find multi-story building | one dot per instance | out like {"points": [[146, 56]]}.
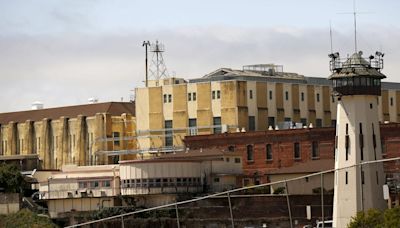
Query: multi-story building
{"points": [[228, 100], [78, 135]]}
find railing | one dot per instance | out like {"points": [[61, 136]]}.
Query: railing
{"points": [[295, 201]]}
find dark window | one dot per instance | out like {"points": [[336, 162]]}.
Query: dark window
{"points": [[271, 121], [217, 125], [303, 121], [165, 98], [189, 96], [250, 153], [296, 149], [302, 96], [218, 94], [169, 140], [213, 95], [286, 95], [314, 150], [370, 105], [251, 94], [333, 99], [231, 148], [192, 126], [270, 95], [252, 123], [116, 138], [391, 101], [361, 142], [317, 97], [194, 96], [237, 160], [318, 122], [216, 179], [287, 119], [346, 177], [362, 177], [169, 98], [269, 151]]}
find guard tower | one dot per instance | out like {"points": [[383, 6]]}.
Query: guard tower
{"points": [[356, 86]]}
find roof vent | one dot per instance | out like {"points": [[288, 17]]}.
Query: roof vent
{"points": [[37, 105], [93, 100]]}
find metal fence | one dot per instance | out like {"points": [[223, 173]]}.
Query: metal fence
{"points": [[288, 200]]}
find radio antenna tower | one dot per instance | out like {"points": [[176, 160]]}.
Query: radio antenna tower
{"points": [[158, 69]]}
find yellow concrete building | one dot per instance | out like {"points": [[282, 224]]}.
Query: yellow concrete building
{"points": [[226, 100], [81, 135]]}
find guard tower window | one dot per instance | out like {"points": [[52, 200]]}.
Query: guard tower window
{"points": [[165, 98], [286, 95], [189, 96], [169, 98], [302, 96], [218, 94], [251, 94], [213, 95], [317, 97], [270, 95], [391, 101], [194, 96]]}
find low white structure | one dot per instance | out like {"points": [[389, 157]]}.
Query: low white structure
{"points": [[140, 177], [80, 188]]}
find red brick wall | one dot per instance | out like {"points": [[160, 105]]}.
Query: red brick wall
{"points": [[283, 149]]}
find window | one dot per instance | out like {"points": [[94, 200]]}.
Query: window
{"points": [[169, 141], [287, 119], [227, 159], [251, 94], [218, 94], [169, 98], [346, 177], [362, 177], [231, 148], [116, 139], [286, 95], [189, 96], [296, 149], [192, 126], [314, 150], [302, 96], [216, 179], [269, 152], [361, 142], [303, 121], [271, 121], [318, 122], [391, 101], [106, 183], [317, 97], [194, 96], [217, 125], [270, 95], [237, 160], [82, 184], [213, 95], [252, 123], [370, 105], [250, 153], [165, 98]]}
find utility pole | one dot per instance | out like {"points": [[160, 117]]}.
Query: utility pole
{"points": [[146, 44]]}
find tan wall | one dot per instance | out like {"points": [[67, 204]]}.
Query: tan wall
{"points": [[262, 106], [204, 113], [229, 91]]}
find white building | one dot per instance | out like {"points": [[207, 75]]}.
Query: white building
{"points": [[357, 85]]}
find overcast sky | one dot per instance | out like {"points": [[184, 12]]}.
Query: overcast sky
{"points": [[66, 51]]}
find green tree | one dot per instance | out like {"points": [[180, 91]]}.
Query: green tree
{"points": [[376, 219], [10, 178], [26, 219]]}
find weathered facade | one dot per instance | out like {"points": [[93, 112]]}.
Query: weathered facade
{"points": [[68, 135], [228, 100], [264, 152]]}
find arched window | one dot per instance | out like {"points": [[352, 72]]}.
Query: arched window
{"points": [[268, 151], [250, 153]]}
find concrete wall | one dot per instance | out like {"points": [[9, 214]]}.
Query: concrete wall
{"points": [[9, 203]]}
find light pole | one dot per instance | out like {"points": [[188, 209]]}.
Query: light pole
{"points": [[146, 44]]}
